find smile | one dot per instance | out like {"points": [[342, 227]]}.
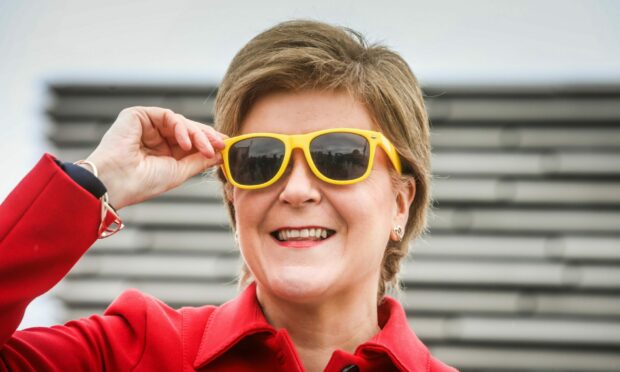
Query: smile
{"points": [[301, 234]]}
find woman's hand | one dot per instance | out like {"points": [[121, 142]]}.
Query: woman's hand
{"points": [[149, 150]]}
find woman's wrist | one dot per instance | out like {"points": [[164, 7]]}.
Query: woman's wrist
{"points": [[83, 175], [105, 174], [111, 222]]}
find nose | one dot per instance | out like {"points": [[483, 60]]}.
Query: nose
{"points": [[300, 184]]}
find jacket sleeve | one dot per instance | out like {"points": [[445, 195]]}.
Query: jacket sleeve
{"points": [[46, 224]]}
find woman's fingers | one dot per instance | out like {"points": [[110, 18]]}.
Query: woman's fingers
{"points": [[204, 138], [216, 138], [202, 142], [164, 125], [181, 134], [195, 163]]}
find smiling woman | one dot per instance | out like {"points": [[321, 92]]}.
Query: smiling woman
{"points": [[359, 216], [323, 143], [373, 82]]}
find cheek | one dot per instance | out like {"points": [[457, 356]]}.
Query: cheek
{"points": [[368, 211], [250, 210], [373, 199]]}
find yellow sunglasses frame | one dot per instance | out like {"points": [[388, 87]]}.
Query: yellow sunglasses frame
{"points": [[302, 141]]}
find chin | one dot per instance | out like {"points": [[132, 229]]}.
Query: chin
{"points": [[297, 285]]}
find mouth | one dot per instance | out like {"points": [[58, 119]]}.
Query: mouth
{"points": [[311, 233]]}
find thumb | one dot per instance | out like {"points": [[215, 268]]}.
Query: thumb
{"points": [[195, 163]]}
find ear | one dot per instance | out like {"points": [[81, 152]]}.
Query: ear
{"points": [[404, 197]]}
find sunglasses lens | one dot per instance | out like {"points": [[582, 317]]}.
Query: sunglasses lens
{"points": [[340, 156], [255, 160]]}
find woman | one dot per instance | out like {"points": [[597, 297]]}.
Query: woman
{"points": [[324, 148]]}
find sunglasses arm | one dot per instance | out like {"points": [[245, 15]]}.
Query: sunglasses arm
{"points": [[391, 152]]}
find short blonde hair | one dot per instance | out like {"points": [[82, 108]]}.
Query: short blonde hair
{"points": [[307, 55]]}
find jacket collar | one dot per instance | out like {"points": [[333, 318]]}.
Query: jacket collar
{"points": [[397, 339], [243, 316]]}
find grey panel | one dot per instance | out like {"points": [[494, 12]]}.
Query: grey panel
{"points": [[493, 358], [526, 164], [490, 190], [515, 246], [520, 270], [532, 109], [526, 220], [514, 137], [92, 105]]}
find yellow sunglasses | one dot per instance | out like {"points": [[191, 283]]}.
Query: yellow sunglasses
{"points": [[340, 156]]}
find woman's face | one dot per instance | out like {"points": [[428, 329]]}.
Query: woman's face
{"points": [[361, 215]]}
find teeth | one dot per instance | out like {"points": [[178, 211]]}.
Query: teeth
{"points": [[312, 234]]}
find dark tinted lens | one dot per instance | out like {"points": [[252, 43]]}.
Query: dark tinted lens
{"points": [[340, 156], [255, 160]]}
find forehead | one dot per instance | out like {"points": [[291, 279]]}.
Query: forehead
{"points": [[306, 111]]}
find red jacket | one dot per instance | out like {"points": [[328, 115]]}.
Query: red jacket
{"points": [[46, 225]]}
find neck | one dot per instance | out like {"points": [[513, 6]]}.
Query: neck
{"points": [[317, 329]]}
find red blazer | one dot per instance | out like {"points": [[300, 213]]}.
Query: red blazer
{"points": [[46, 225]]}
